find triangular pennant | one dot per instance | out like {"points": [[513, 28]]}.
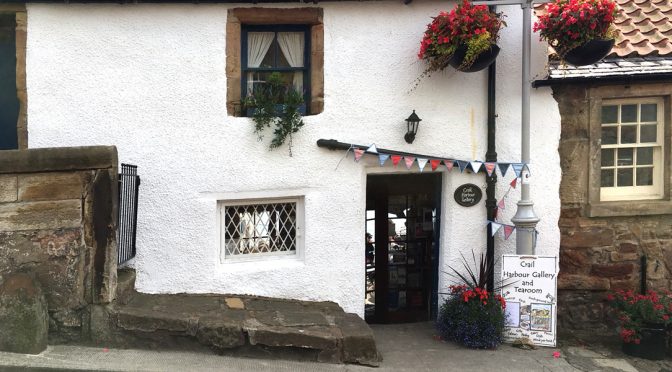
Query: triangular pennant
{"points": [[517, 168], [508, 229], [435, 163], [409, 161], [494, 227], [449, 164], [475, 166], [396, 159], [501, 204], [461, 164], [503, 167], [421, 163], [527, 166], [382, 158], [513, 183], [490, 168], [358, 153], [372, 149]]}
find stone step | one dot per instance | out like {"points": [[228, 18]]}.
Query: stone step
{"points": [[229, 323]]}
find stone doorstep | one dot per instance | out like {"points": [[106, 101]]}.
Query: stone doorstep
{"points": [[229, 322]]}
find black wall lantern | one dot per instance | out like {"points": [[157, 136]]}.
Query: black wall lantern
{"points": [[412, 124]]}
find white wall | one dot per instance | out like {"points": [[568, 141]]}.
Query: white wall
{"points": [[150, 79]]}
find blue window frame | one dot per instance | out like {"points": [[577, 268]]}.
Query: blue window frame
{"points": [[276, 48]]}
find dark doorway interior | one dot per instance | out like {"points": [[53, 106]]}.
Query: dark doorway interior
{"points": [[402, 220], [9, 103]]}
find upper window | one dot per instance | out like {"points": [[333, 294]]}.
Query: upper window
{"points": [[276, 49], [266, 228], [631, 165]]}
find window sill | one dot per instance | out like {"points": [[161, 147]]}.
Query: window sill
{"points": [[629, 208]]}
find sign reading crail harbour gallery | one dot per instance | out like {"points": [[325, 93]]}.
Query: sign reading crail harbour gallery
{"points": [[530, 298], [468, 195]]}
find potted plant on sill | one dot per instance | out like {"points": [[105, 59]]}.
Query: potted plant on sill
{"points": [[471, 315], [644, 321], [465, 38], [275, 103], [580, 31]]}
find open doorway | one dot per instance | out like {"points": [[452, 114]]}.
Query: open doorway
{"points": [[402, 231]]}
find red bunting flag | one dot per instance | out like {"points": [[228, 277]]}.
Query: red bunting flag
{"points": [[358, 153], [501, 205], [409, 161], [490, 167], [449, 164], [514, 183], [396, 159], [508, 229], [435, 163]]}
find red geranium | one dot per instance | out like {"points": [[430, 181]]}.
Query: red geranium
{"points": [[567, 24], [472, 25], [636, 310]]}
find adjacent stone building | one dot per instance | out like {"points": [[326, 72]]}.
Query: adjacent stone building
{"points": [[615, 159]]}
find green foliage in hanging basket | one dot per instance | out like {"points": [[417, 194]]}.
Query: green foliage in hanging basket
{"points": [[276, 104], [567, 24], [472, 25]]}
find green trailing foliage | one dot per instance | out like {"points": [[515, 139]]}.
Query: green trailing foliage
{"points": [[276, 104]]}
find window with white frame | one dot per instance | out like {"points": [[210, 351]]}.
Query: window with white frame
{"points": [[631, 165], [260, 228]]}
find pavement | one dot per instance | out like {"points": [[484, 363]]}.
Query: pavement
{"points": [[405, 347]]}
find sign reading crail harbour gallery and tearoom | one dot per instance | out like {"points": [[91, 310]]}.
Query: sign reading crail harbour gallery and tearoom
{"points": [[531, 298]]}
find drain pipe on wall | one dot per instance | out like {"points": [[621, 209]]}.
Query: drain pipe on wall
{"points": [[491, 156]]}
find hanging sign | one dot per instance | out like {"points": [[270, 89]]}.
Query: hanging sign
{"points": [[530, 298], [468, 195]]}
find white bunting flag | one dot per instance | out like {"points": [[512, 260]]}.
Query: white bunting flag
{"points": [[421, 163], [494, 227], [372, 149], [476, 166]]}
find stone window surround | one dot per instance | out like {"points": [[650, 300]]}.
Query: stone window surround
{"points": [[271, 16], [19, 10], [596, 95]]}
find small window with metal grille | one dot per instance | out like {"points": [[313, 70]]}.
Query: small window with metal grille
{"points": [[260, 229]]}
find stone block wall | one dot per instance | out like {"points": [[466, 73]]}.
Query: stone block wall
{"points": [[599, 254], [58, 213]]}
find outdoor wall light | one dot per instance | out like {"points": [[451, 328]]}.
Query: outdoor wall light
{"points": [[412, 124]]}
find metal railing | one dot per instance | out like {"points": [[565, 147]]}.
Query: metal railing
{"points": [[129, 186]]}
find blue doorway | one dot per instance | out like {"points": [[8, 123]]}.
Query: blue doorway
{"points": [[9, 102]]}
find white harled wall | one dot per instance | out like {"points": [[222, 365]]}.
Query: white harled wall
{"points": [[150, 79]]}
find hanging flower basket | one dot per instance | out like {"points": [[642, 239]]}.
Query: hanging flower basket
{"points": [[483, 60], [591, 52], [465, 38], [580, 31]]}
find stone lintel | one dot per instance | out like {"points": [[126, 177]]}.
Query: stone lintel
{"points": [[58, 159]]}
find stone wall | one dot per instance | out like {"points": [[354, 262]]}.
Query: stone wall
{"points": [[600, 253], [58, 210]]}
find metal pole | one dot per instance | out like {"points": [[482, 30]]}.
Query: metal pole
{"points": [[525, 218]]}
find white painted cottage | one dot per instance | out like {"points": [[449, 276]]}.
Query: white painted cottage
{"points": [[220, 213]]}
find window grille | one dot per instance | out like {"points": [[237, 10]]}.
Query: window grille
{"points": [[260, 229], [631, 149]]}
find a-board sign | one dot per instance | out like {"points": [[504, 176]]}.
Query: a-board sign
{"points": [[468, 195], [530, 298]]}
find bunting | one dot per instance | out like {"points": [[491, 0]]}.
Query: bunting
{"points": [[475, 165], [495, 227]]}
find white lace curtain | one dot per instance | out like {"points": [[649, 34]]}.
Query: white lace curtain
{"points": [[292, 45], [258, 44]]}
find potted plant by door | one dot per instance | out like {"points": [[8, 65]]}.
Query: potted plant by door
{"points": [[465, 38], [580, 31], [471, 315], [275, 103], [644, 321]]}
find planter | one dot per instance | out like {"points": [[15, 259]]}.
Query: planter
{"points": [[590, 52], [483, 60], [653, 344], [249, 112]]}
